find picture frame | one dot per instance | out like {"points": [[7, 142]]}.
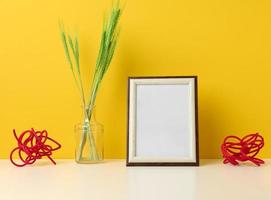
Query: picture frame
{"points": [[162, 125]]}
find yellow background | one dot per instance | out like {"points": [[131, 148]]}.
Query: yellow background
{"points": [[227, 43]]}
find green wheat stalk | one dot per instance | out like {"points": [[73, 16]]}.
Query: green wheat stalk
{"points": [[109, 38], [108, 43]]}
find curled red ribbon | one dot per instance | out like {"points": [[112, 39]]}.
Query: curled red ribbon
{"points": [[32, 146], [235, 149]]}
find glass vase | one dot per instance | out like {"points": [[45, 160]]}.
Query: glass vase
{"points": [[89, 139]]}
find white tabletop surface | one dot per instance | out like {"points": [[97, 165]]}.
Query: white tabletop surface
{"points": [[112, 180]]}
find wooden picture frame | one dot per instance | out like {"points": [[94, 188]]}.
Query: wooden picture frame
{"points": [[162, 125]]}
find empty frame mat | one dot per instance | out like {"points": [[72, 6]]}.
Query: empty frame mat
{"points": [[162, 124]]}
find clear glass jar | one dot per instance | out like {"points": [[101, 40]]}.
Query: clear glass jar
{"points": [[89, 139]]}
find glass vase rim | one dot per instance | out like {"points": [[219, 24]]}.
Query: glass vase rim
{"points": [[82, 126], [87, 107]]}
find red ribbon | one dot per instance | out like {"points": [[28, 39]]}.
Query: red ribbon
{"points": [[32, 146], [235, 149]]}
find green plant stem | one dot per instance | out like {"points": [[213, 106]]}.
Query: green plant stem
{"points": [[83, 137], [87, 134], [93, 154]]}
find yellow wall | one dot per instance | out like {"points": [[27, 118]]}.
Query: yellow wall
{"points": [[226, 43]]}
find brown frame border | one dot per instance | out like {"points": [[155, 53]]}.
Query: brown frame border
{"points": [[128, 164]]}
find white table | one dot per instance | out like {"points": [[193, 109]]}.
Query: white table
{"points": [[112, 180]]}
